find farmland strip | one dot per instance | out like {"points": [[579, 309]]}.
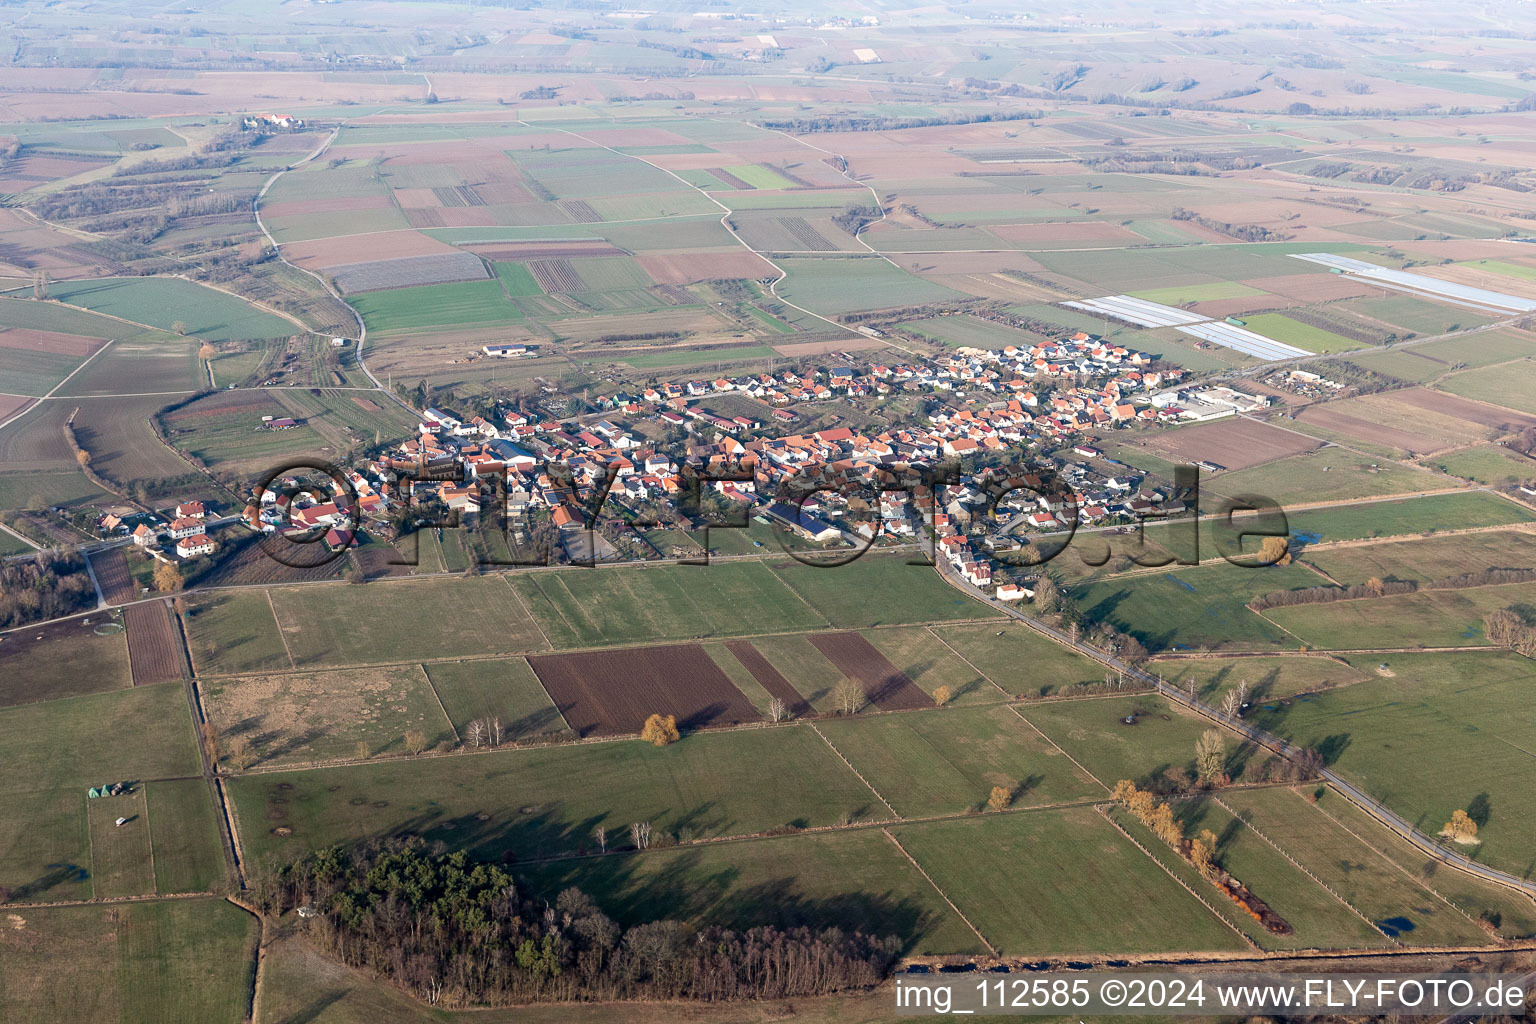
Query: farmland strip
{"points": [[153, 648], [770, 678], [886, 686], [111, 569]]}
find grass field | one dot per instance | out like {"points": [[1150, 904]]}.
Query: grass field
{"points": [[1421, 363], [163, 302], [1094, 732], [1198, 293], [709, 784], [1202, 606], [1399, 905], [1374, 733], [816, 881], [838, 286], [1265, 677], [70, 659], [1020, 661], [1329, 474], [293, 718], [1293, 332], [591, 607], [122, 861], [930, 664], [147, 963], [877, 590], [435, 305], [1428, 558], [234, 631], [189, 856], [1486, 464], [1417, 315], [1512, 385], [402, 621], [947, 762], [1429, 618], [503, 688], [143, 366], [34, 373], [1061, 881]]}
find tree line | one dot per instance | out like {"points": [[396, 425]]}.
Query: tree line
{"points": [[1376, 587], [48, 585], [458, 932]]}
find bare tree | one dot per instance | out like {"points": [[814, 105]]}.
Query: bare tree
{"points": [[848, 696], [474, 733], [415, 741], [1234, 699], [495, 730], [241, 754], [1210, 757], [640, 834], [777, 710], [601, 835]]}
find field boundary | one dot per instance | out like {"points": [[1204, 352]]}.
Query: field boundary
{"points": [[942, 894], [1247, 941], [895, 815], [1306, 871], [1058, 748], [278, 623], [933, 633], [506, 578], [432, 687]]}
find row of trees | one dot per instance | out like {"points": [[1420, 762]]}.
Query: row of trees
{"points": [[48, 585], [1508, 628], [457, 932], [1377, 587]]}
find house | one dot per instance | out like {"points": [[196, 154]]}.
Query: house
{"points": [[197, 544], [182, 528], [191, 510], [803, 522], [143, 536], [337, 539], [1013, 592]]}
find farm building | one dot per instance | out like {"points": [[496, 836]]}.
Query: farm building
{"points": [[279, 423], [803, 523], [507, 351]]}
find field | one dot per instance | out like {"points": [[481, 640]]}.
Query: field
{"points": [[1508, 384], [163, 302], [505, 689], [919, 654], [61, 659], [802, 881], [112, 576], [1233, 444], [1293, 332], [593, 607], [435, 305], [837, 286], [182, 960], [299, 717], [405, 620], [1428, 618], [877, 590], [1399, 905], [1485, 465], [769, 678], [129, 367], [1331, 474], [1061, 881], [884, 685], [1427, 558], [520, 804], [154, 643], [1017, 659], [1196, 607], [1266, 678], [1467, 701], [188, 854], [234, 632], [607, 693], [948, 762], [1096, 734]]}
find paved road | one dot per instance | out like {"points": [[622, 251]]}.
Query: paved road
{"points": [[1371, 806]]}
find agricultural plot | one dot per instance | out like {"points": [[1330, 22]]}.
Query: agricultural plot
{"points": [[130, 367], [1428, 618], [1487, 465], [1399, 905], [1461, 511], [1264, 679], [1471, 702], [188, 853], [948, 762], [1017, 659], [1061, 882], [164, 302], [1114, 738], [1195, 607], [32, 368], [112, 576], [1330, 474], [117, 433], [1233, 444], [62, 659], [1510, 385], [407, 271], [295, 718], [178, 960], [1288, 331], [436, 305], [609, 693], [1414, 315], [504, 689], [788, 882], [401, 621], [588, 608], [521, 804], [234, 631], [122, 858], [923, 658], [1421, 363], [45, 849], [884, 685], [876, 590], [154, 643], [843, 285], [1427, 558]]}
